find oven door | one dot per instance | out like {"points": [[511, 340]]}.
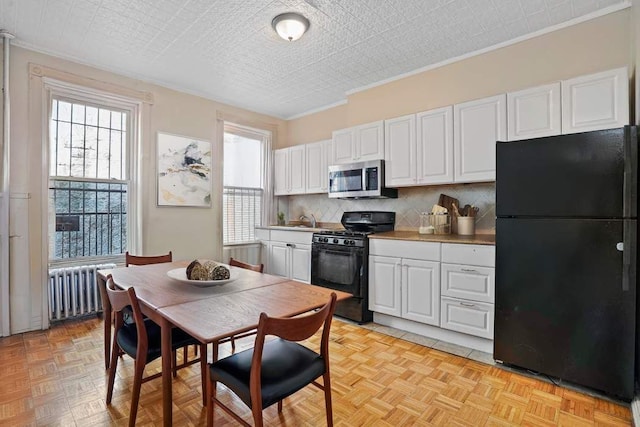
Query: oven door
{"points": [[338, 267]]}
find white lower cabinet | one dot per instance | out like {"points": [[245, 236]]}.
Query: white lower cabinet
{"points": [[452, 286], [290, 255], [468, 289], [405, 287]]}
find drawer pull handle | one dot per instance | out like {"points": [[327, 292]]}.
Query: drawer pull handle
{"points": [[291, 245], [469, 270], [466, 304]]}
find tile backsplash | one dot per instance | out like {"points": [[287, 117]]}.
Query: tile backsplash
{"points": [[410, 203]]}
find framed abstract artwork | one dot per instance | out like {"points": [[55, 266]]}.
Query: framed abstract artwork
{"points": [[184, 171]]}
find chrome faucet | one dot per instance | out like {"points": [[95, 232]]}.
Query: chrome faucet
{"points": [[312, 220]]}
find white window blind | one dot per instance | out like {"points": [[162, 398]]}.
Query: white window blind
{"points": [[243, 195]]}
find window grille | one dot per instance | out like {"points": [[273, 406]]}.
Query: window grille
{"points": [[88, 180], [242, 213]]}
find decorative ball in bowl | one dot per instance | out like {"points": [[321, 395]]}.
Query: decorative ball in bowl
{"points": [[202, 273]]}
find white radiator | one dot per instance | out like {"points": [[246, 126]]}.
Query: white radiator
{"points": [[73, 291]]}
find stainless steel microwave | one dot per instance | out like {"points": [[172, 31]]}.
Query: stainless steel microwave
{"points": [[359, 181]]}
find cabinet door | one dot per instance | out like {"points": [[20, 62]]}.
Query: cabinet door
{"points": [[434, 146], [264, 256], [343, 146], [534, 112], [318, 155], [369, 141], [281, 170], [301, 262], [316, 168], [468, 282], [421, 291], [297, 169], [478, 125], [279, 259], [597, 101], [384, 285], [400, 151]]}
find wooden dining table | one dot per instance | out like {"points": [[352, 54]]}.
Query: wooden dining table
{"points": [[209, 314]]}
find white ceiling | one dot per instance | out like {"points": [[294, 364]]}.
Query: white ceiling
{"points": [[226, 49]]}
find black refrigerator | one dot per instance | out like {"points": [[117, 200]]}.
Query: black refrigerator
{"points": [[566, 240]]}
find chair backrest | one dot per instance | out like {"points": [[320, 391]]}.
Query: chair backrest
{"points": [[119, 299], [234, 262], [144, 260], [291, 329]]}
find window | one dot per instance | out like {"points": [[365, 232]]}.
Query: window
{"points": [[244, 182], [88, 179]]}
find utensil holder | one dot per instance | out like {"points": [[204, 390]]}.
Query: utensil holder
{"points": [[466, 225]]}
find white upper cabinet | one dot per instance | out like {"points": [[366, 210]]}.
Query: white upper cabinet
{"points": [[419, 148], [359, 143], [280, 172], [343, 147], [478, 125], [400, 151], [289, 170], [434, 143], [534, 112], [597, 101], [317, 155]]}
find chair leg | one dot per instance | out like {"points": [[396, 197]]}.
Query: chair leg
{"points": [[185, 354], [211, 392], [112, 371], [326, 380], [135, 392], [215, 351], [257, 415], [279, 406], [174, 368], [233, 345], [203, 373]]}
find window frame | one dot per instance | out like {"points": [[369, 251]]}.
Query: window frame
{"points": [[69, 92], [265, 136]]}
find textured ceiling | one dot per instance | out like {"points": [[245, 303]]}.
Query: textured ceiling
{"points": [[226, 49]]}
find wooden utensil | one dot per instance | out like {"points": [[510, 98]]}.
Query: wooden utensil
{"points": [[448, 203]]}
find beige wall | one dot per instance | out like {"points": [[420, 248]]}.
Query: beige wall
{"points": [[596, 45], [188, 232]]}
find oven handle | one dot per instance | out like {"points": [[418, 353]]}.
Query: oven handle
{"points": [[339, 251]]}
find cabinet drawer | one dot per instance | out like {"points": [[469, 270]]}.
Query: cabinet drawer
{"points": [[473, 318], [427, 251], [484, 255], [262, 234], [468, 282], [302, 237]]}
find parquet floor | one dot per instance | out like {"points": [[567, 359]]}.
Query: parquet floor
{"points": [[57, 378]]}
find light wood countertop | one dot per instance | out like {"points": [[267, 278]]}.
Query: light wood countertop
{"points": [[477, 239]]}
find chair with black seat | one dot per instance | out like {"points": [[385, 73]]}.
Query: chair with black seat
{"points": [[271, 371], [141, 340]]}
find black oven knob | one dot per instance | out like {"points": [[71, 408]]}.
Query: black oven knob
{"points": [[348, 242], [335, 240]]}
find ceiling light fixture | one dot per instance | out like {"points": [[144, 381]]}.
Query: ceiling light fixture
{"points": [[290, 26]]}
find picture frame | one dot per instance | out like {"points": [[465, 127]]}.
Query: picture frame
{"points": [[183, 171]]}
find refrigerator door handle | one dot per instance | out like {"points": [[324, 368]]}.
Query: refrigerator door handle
{"points": [[628, 255], [630, 174]]}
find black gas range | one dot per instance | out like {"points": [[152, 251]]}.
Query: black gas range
{"points": [[340, 260]]}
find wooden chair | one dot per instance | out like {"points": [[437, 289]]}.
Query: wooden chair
{"points": [[234, 262], [271, 371], [141, 340], [254, 267], [145, 260]]}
